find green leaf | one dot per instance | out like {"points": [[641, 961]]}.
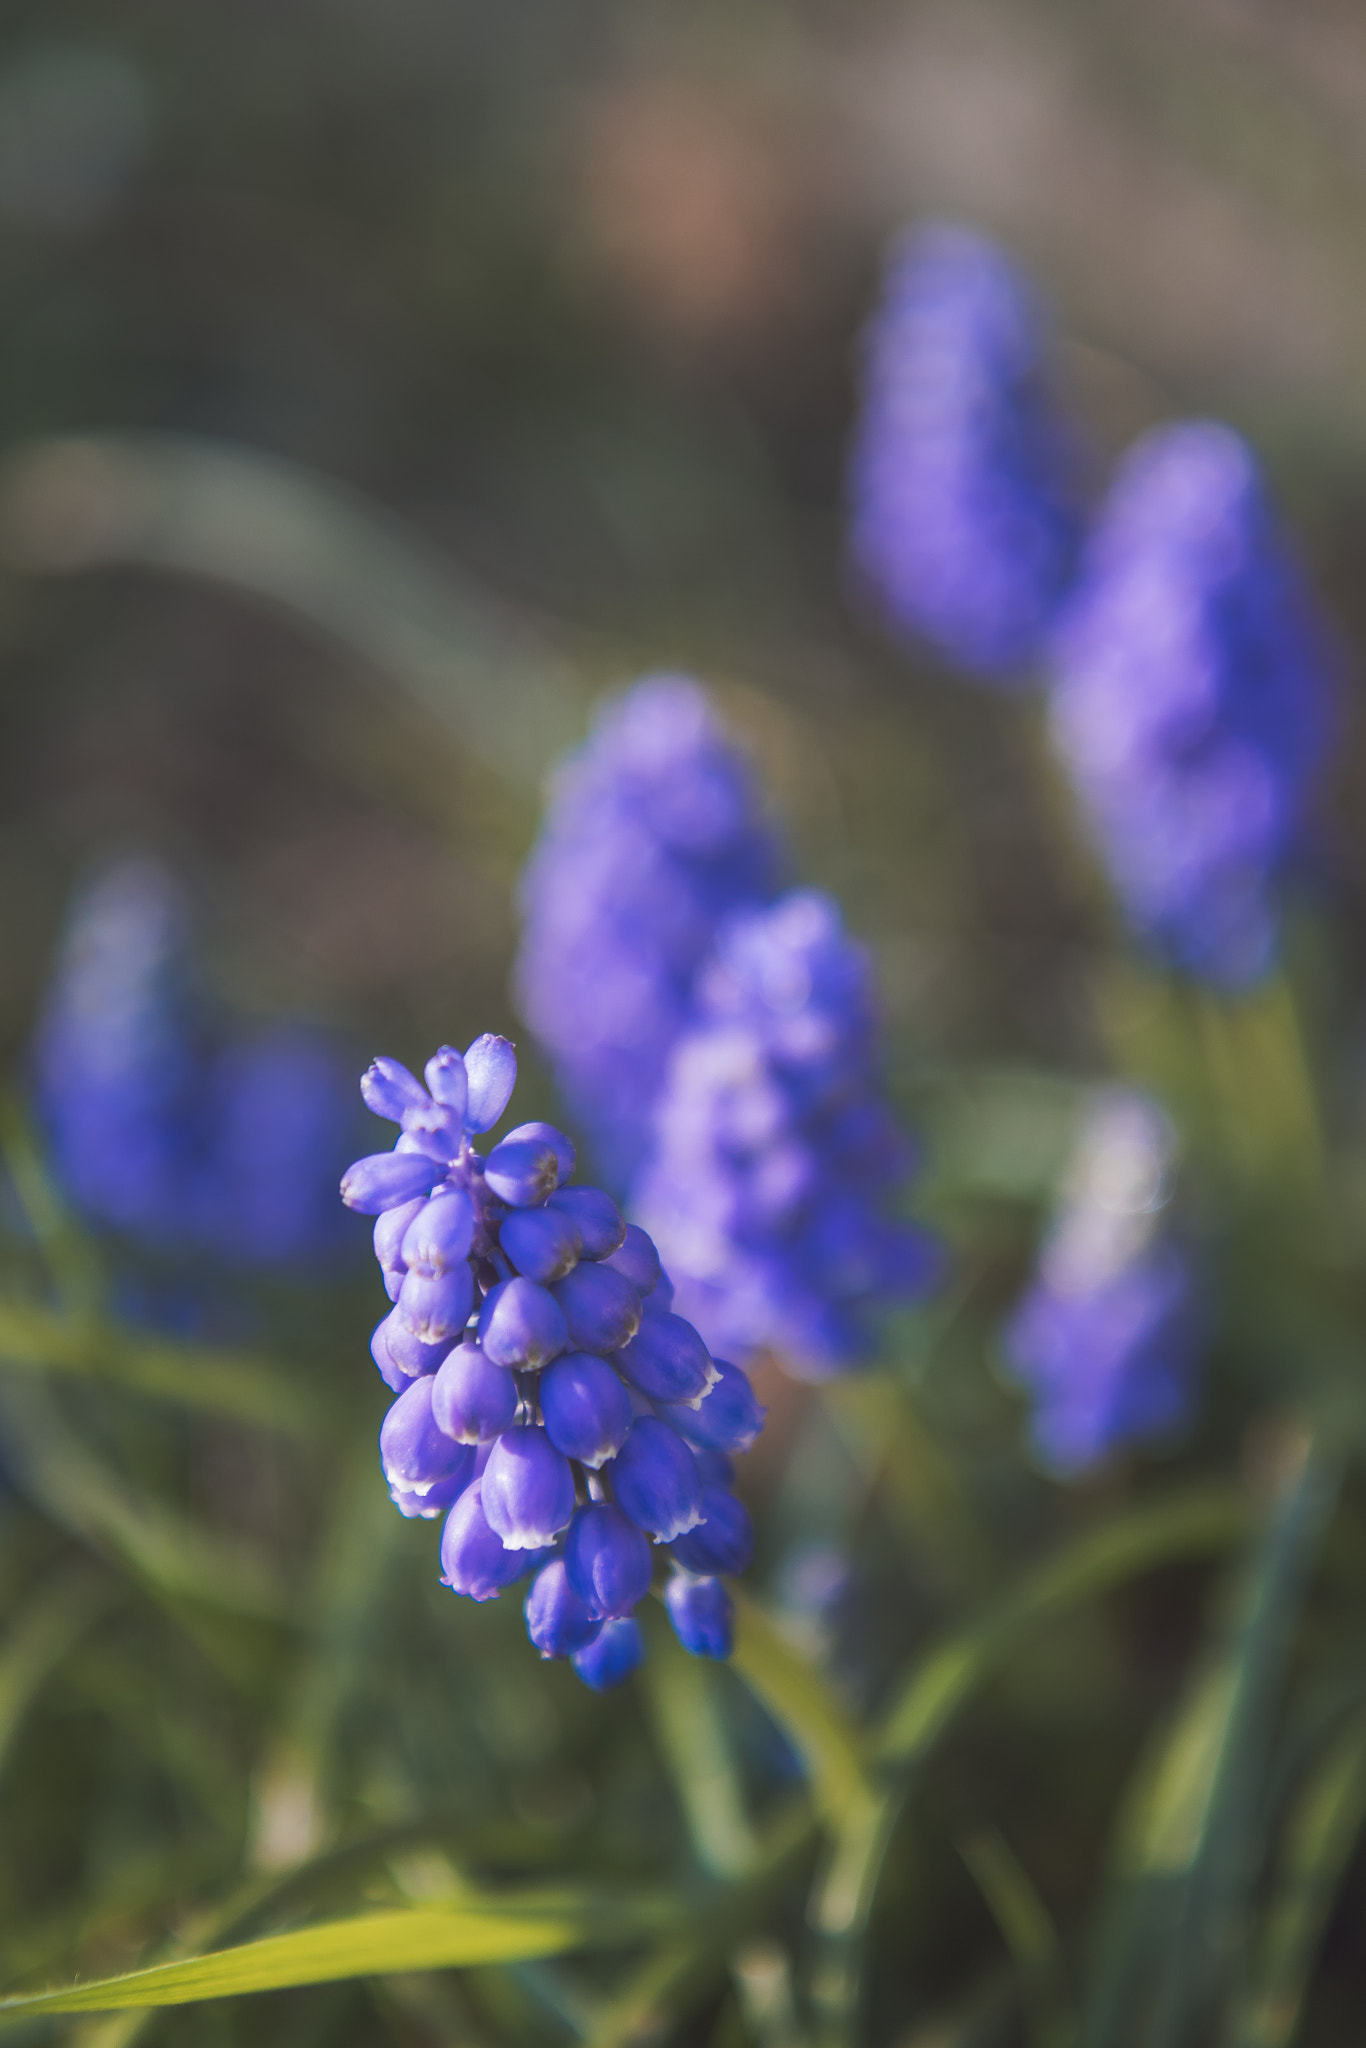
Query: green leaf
{"points": [[1324, 1828], [1205, 1519], [805, 1708], [1187, 1851], [35, 1340], [338, 565], [685, 1706], [465, 1933]]}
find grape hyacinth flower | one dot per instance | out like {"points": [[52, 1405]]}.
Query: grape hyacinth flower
{"points": [[116, 1065], [775, 1154], [963, 522], [549, 1403], [653, 834], [1191, 700], [228, 1149], [1106, 1339]]}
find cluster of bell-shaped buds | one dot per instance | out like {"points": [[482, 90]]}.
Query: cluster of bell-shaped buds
{"points": [[1191, 700], [775, 1153], [549, 1403], [963, 516], [181, 1137], [1107, 1338], [653, 833]]}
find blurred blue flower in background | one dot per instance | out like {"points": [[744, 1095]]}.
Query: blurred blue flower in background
{"points": [[964, 519], [117, 1065], [549, 1403], [653, 834], [230, 1148], [1191, 699], [775, 1154], [1106, 1339]]}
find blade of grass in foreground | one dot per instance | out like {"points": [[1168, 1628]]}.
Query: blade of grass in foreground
{"points": [[372, 1944]]}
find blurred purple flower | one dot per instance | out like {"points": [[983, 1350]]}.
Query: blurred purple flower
{"points": [[1191, 700], [964, 520], [653, 834], [1106, 1340], [775, 1154]]}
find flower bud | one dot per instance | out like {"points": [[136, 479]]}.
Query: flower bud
{"points": [[391, 1372], [724, 1539], [557, 1620], [601, 1308], [596, 1217], [389, 1089], [405, 1349], [522, 1171], [702, 1615], [437, 1310], [491, 1067], [391, 1227], [728, 1418], [440, 1496], [654, 1478], [666, 1358], [541, 1244], [607, 1559], [416, 1453], [440, 1235], [616, 1651], [385, 1179], [445, 1075], [587, 1411], [636, 1259], [546, 1134], [473, 1561], [528, 1489], [473, 1400], [522, 1326]]}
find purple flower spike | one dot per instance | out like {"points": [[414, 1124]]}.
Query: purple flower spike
{"points": [[724, 1539], [385, 1179], [473, 1400], [445, 1076], [557, 1619], [528, 1489], [522, 1171], [522, 1326], [436, 1311], [440, 1235], [617, 1651], [964, 520], [541, 1244], [702, 1615], [601, 1308], [407, 1351], [389, 1089], [666, 1358], [607, 1559], [491, 1067], [473, 1560], [587, 1410], [415, 1452], [391, 1372], [596, 1217], [728, 1418], [636, 1259], [546, 1134], [654, 1476]]}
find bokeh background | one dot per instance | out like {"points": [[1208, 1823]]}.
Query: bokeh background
{"points": [[575, 292]]}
